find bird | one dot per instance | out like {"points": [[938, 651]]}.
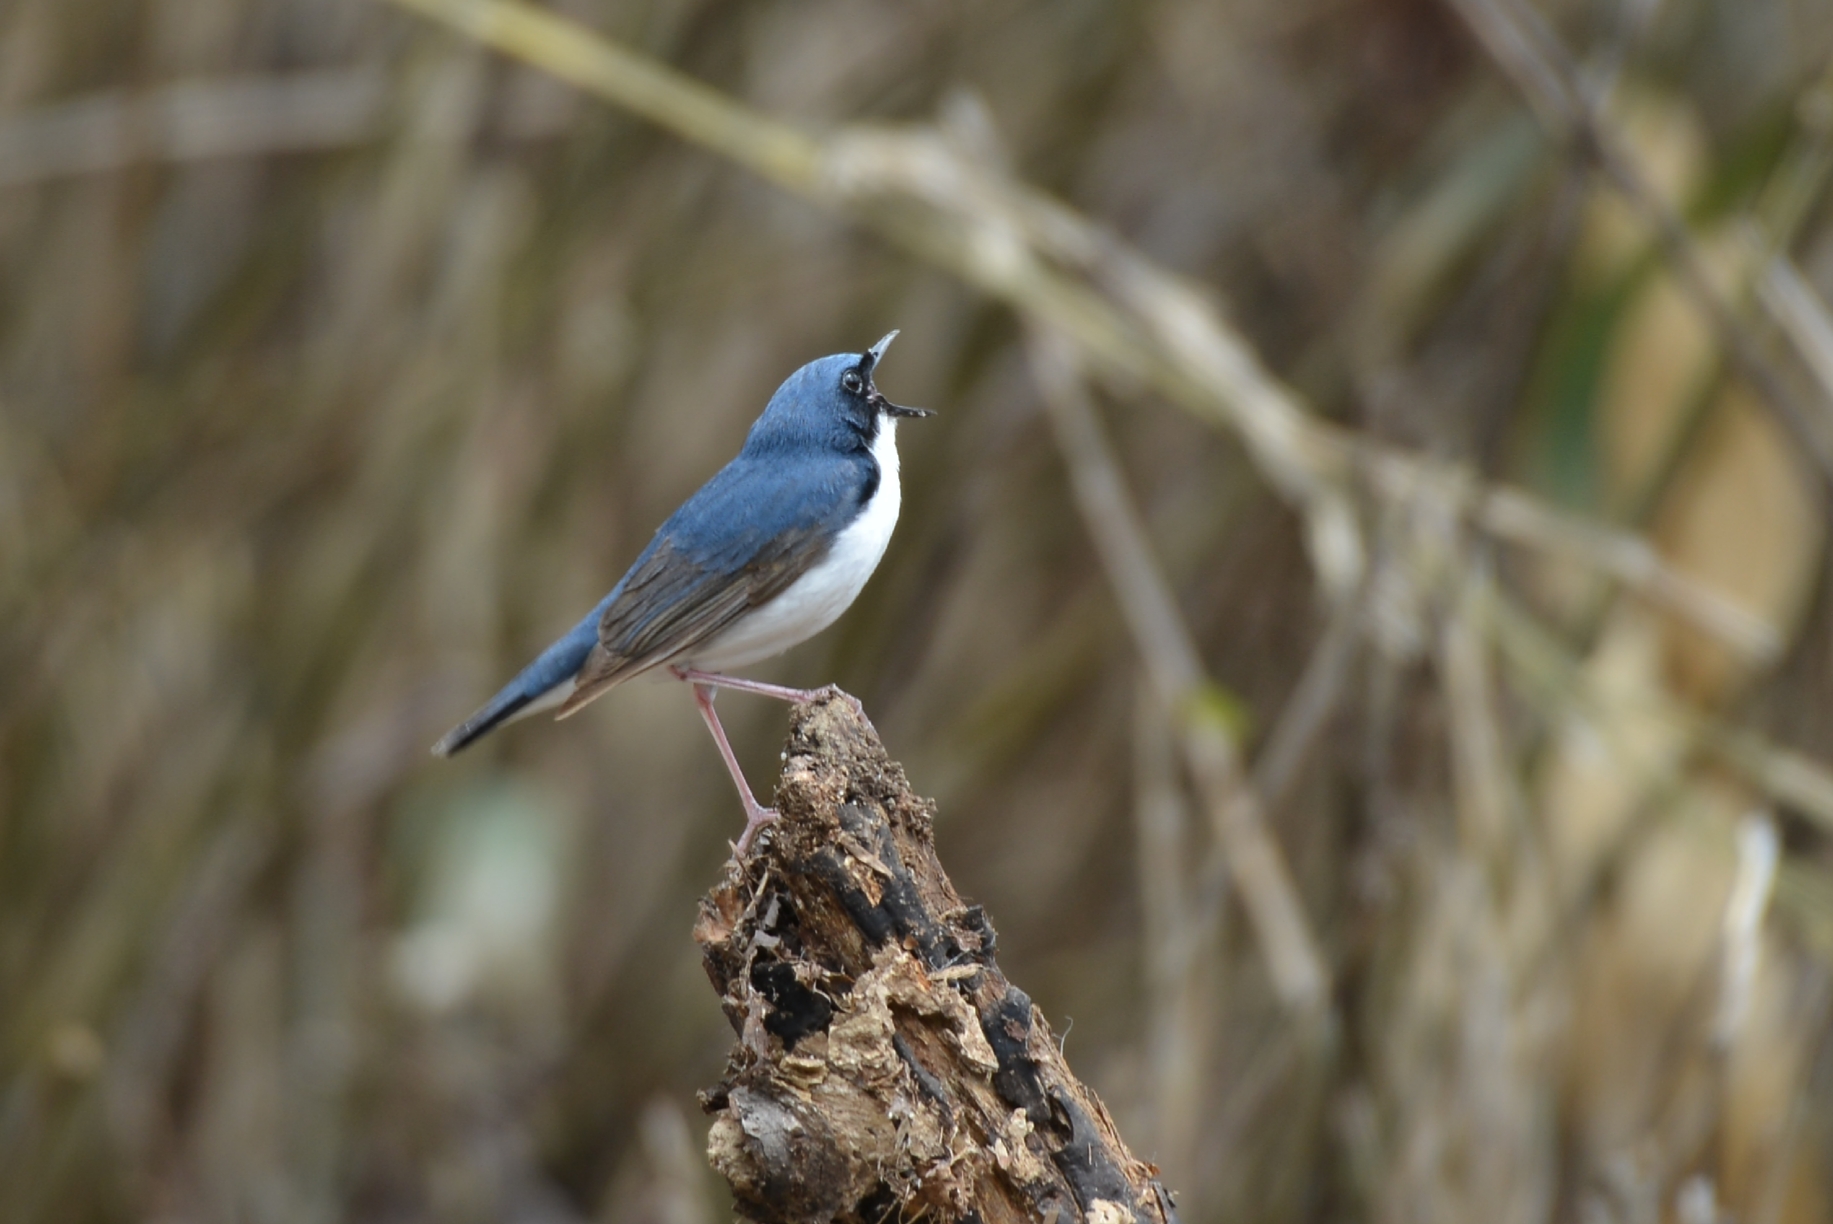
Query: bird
{"points": [[767, 553]]}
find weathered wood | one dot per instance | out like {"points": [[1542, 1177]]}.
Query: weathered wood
{"points": [[884, 1068]]}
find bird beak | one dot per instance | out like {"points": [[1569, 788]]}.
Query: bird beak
{"points": [[876, 353]]}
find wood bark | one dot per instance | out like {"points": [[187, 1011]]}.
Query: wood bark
{"points": [[884, 1068]]}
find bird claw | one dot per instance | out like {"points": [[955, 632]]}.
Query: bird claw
{"points": [[754, 821], [853, 703]]}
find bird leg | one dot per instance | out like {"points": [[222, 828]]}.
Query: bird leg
{"points": [[716, 680], [779, 691], [756, 814]]}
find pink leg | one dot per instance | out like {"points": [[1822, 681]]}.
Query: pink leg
{"points": [[716, 680], [756, 814], [778, 691]]}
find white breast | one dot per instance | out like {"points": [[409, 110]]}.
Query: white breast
{"points": [[816, 599]]}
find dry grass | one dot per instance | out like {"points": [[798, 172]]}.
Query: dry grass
{"points": [[1438, 827]]}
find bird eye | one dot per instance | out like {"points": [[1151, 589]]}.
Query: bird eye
{"points": [[851, 381]]}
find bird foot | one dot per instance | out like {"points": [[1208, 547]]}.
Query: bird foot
{"points": [[834, 690], [755, 819]]}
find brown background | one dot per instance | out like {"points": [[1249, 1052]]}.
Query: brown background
{"points": [[342, 365]]}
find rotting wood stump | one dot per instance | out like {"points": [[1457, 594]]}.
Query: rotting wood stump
{"points": [[884, 1068]]}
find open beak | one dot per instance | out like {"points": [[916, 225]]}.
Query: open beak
{"points": [[877, 353]]}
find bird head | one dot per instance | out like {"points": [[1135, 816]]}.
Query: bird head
{"points": [[832, 400], [856, 380]]}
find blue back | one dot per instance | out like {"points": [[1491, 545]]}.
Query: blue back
{"points": [[805, 471]]}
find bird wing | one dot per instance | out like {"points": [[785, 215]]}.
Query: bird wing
{"points": [[670, 605], [725, 552]]}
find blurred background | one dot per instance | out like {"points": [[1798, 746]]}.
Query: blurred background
{"points": [[343, 364]]}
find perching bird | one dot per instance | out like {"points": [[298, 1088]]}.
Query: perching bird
{"points": [[767, 554]]}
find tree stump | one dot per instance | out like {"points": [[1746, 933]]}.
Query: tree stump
{"points": [[884, 1069]]}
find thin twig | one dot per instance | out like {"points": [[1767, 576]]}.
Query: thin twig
{"points": [[1784, 776], [1179, 1020], [1509, 514], [1802, 316], [1479, 758], [194, 120], [1518, 517], [1288, 746], [1126, 315], [1530, 54], [1741, 929], [1307, 711], [1176, 672], [1131, 319]]}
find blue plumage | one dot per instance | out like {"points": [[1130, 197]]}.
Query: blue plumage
{"points": [[552, 668], [766, 553], [766, 493]]}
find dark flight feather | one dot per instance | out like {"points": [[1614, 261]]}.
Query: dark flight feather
{"points": [[763, 521]]}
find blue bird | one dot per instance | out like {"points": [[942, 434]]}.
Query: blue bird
{"points": [[767, 554]]}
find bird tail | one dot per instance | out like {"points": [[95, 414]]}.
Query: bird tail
{"points": [[542, 685]]}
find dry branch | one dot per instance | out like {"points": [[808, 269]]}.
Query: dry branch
{"points": [[193, 121], [1169, 652], [884, 1068], [1524, 47], [1127, 317]]}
